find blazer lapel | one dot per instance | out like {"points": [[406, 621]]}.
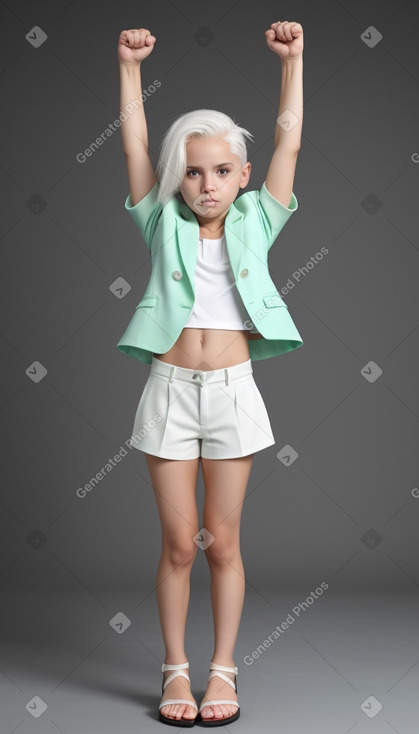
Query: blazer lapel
{"points": [[233, 228], [187, 234]]}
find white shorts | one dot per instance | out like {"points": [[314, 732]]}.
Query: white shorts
{"points": [[185, 413]]}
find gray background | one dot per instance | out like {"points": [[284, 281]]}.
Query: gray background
{"points": [[345, 512]]}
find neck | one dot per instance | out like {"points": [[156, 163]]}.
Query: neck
{"points": [[213, 228]]}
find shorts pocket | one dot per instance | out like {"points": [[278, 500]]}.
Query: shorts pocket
{"points": [[151, 412], [251, 412]]}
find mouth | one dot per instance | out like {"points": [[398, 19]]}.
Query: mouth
{"points": [[210, 201]]}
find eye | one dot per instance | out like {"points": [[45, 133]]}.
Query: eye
{"points": [[192, 170]]}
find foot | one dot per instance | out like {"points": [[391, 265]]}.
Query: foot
{"points": [[178, 688], [219, 689]]}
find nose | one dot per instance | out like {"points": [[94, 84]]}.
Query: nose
{"points": [[208, 185]]}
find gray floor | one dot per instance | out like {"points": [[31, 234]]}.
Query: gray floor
{"points": [[342, 657]]}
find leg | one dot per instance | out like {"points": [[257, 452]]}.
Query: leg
{"points": [[174, 484], [225, 488]]}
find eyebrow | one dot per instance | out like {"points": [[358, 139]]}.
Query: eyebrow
{"points": [[226, 163]]}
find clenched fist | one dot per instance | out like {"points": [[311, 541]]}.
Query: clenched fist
{"points": [[285, 38], [135, 45]]}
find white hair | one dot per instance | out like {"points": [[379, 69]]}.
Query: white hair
{"points": [[171, 166]]}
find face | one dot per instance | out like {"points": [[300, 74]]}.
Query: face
{"points": [[212, 172]]}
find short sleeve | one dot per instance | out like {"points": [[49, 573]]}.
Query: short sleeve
{"points": [[275, 214], [146, 213]]}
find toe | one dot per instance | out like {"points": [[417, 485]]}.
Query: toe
{"points": [[178, 711], [180, 708], [224, 710], [207, 712], [173, 710], [165, 710], [190, 712]]}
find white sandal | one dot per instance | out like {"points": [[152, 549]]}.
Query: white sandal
{"points": [[178, 671], [215, 721]]}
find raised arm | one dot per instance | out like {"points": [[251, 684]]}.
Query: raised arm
{"points": [[286, 40], [133, 47]]}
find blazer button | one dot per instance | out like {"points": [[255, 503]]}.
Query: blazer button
{"points": [[176, 275], [244, 273]]}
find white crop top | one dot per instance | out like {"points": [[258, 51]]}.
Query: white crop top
{"points": [[218, 304]]}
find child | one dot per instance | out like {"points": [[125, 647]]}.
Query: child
{"points": [[209, 309]]}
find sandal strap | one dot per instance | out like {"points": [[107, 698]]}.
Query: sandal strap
{"points": [[169, 701], [172, 676], [217, 703], [170, 666], [224, 677], [176, 667], [215, 666]]}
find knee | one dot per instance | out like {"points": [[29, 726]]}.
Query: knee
{"points": [[223, 550], [180, 551]]}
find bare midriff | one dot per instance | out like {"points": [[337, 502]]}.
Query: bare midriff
{"points": [[197, 348]]}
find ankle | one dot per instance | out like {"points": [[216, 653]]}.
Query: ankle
{"points": [[182, 678], [176, 660], [220, 660]]}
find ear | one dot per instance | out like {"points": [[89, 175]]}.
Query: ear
{"points": [[246, 169]]}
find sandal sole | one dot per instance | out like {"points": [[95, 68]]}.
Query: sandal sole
{"points": [[176, 722], [217, 722]]}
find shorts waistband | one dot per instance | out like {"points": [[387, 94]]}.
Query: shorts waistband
{"points": [[201, 377]]}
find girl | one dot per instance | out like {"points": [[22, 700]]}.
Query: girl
{"points": [[210, 308]]}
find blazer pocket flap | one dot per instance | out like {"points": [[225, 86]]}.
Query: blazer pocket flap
{"points": [[273, 299], [147, 301]]}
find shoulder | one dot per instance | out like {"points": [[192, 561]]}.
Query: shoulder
{"points": [[262, 198], [262, 211]]}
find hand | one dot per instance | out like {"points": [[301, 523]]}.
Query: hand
{"points": [[285, 39], [135, 45]]}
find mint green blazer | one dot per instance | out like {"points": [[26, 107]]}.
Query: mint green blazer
{"points": [[171, 233]]}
